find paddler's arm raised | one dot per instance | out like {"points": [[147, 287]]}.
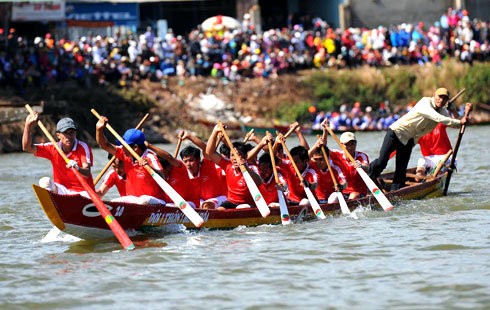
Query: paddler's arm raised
{"points": [[27, 145], [101, 138], [262, 145], [210, 152], [196, 140], [164, 154]]}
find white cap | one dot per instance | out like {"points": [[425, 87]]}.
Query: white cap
{"points": [[347, 136]]}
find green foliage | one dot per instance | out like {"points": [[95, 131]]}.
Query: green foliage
{"points": [[399, 85], [290, 113], [476, 82]]}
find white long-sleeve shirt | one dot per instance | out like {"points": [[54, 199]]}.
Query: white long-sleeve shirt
{"points": [[421, 119]]}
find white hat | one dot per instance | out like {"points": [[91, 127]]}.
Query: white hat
{"points": [[347, 136]]}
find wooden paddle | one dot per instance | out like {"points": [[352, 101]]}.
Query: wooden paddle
{"points": [[188, 211], [103, 171], [313, 202], [248, 135], [340, 196], [378, 193], [291, 130], [252, 187], [99, 204], [285, 220], [452, 166], [177, 147]]}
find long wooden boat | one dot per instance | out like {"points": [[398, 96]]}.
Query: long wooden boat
{"points": [[77, 215]]}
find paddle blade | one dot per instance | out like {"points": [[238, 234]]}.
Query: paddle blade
{"points": [[285, 220], [343, 203], [188, 211], [314, 204], [377, 193], [257, 196]]}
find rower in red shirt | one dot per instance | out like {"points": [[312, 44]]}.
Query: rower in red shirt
{"points": [[141, 188], [79, 153], [268, 188], [296, 192], [238, 192], [325, 188], [355, 185], [175, 174], [433, 146], [205, 177], [115, 177]]}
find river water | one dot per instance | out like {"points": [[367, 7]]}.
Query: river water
{"points": [[428, 254]]}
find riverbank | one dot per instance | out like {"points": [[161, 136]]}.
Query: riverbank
{"points": [[174, 105]]}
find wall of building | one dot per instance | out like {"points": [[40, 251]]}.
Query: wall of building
{"points": [[372, 13]]}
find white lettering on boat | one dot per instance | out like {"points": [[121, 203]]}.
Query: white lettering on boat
{"points": [[158, 218], [119, 211]]}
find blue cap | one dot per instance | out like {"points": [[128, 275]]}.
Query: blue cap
{"points": [[134, 136]]}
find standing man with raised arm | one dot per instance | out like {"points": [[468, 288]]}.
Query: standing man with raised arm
{"points": [[405, 132]]}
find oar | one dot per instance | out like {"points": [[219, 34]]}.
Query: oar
{"points": [[291, 130], [248, 135], [188, 211], [452, 166], [378, 193], [313, 202], [99, 204], [340, 196], [103, 171], [282, 202], [177, 148], [252, 187]]}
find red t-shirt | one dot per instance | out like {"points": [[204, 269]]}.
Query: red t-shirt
{"points": [[81, 153], [435, 142], [268, 188], [354, 180], [325, 185], [295, 189], [238, 192], [179, 180], [208, 183], [139, 181], [112, 178]]}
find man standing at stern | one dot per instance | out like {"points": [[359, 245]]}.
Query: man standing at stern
{"points": [[405, 132]]}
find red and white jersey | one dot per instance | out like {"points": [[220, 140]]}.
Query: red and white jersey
{"points": [[208, 183], [81, 153], [354, 180], [238, 191], [139, 181], [113, 178], [435, 142], [296, 191], [325, 185], [268, 188]]}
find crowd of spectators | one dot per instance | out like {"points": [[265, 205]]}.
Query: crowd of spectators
{"points": [[351, 117], [232, 54], [354, 118]]}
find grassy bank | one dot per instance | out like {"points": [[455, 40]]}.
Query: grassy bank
{"points": [[400, 86]]}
